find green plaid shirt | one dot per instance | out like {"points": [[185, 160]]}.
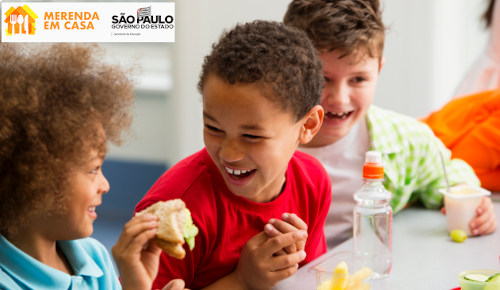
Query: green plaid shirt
{"points": [[412, 165]]}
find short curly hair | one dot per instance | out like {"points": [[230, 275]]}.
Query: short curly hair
{"points": [[54, 102], [274, 55], [351, 26]]}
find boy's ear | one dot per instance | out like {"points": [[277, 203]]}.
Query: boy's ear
{"points": [[381, 63], [311, 124]]}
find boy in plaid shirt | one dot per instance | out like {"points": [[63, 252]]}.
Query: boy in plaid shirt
{"points": [[349, 35]]}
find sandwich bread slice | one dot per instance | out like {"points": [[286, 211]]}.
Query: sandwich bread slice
{"points": [[175, 226]]}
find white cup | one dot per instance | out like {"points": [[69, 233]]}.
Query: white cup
{"points": [[461, 203]]}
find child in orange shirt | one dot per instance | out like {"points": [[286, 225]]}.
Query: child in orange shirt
{"points": [[470, 127]]}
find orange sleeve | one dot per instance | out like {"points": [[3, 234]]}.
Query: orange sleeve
{"points": [[481, 146], [470, 128], [489, 179]]}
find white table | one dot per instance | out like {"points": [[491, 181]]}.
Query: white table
{"points": [[424, 257]]}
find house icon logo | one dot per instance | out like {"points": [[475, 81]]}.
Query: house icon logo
{"points": [[20, 20]]}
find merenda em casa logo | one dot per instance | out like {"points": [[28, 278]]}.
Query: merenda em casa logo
{"points": [[20, 20]]}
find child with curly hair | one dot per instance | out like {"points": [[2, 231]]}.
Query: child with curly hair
{"points": [[59, 104], [261, 87], [349, 36]]}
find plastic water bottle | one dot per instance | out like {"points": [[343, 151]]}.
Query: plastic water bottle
{"points": [[372, 231]]}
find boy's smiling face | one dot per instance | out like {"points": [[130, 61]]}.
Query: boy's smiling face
{"points": [[350, 84], [250, 138]]}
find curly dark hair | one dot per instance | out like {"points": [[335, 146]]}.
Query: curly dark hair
{"points": [[54, 102], [352, 26], [274, 55]]}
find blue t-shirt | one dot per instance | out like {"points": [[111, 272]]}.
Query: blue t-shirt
{"points": [[89, 259]]}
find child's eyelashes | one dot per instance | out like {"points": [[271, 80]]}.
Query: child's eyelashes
{"points": [[352, 80], [358, 79], [218, 132], [213, 129], [252, 137], [95, 170]]}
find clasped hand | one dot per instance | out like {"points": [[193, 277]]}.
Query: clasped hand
{"points": [[274, 254]]}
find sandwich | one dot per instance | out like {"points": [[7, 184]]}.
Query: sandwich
{"points": [[175, 226]]}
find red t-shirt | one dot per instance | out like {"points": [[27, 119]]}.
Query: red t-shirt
{"points": [[226, 221]]}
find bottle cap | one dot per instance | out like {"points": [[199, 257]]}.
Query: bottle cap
{"points": [[373, 157], [373, 168]]}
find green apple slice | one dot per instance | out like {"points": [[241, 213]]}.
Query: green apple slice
{"points": [[493, 278], [476, 277]]}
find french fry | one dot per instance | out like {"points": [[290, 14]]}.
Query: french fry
{"points": [[340, 277], [358, 277], [326, 285], [341, 280]]}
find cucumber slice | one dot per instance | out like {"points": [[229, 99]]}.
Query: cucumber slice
{"points": [[476, 277], [493, 278]]}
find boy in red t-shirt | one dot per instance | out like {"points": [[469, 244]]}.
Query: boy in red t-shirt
{"points": [[261, 87]]}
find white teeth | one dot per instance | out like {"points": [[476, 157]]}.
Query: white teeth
{"points": [[236, 171], [92, 208], [342, 115]]}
